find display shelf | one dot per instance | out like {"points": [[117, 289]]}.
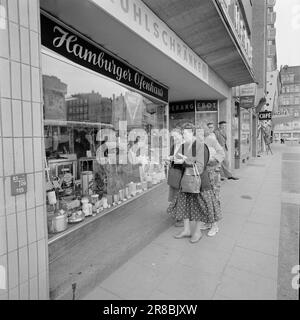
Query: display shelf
{"points": [[52, 237]]}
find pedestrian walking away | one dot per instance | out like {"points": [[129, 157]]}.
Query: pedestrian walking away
{"points": [[222, 139]]}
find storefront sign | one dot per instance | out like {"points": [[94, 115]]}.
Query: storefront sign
{"points": [[140, 19], [265, 115], [182, 106], [207, 105], [247, 89], [70, 44], [18, 184], [247, 102]]}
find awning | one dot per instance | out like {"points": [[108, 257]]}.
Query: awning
{"points": [[205, 27], [260, 104]]}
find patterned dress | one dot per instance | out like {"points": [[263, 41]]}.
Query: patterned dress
{"points": [[204, 206]]}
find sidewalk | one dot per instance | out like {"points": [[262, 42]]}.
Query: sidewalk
{"points": [[240, 262]]}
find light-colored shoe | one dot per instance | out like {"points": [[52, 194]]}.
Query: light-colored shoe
{"points": [[196, 237], [204, 226], [183, 234], [213, 231]]}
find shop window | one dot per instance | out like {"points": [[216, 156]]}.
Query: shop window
{"points": [[80, 161], [245, 145]]}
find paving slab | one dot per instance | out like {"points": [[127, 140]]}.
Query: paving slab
{"points": [[101, 294], [241, 262], [243, 285], [133, 281], [258, 243], [185, 282], [206, 260], [255, 262]]}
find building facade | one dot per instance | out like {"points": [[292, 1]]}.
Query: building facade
{"points": [[56, 73], [288, 124]]}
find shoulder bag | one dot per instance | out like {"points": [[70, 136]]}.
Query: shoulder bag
{"points": [[174, 177], [191, 180]]}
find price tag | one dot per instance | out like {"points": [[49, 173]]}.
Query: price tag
{"points": [[18, 184]]}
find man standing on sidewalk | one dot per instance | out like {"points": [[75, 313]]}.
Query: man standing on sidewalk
{"points": [[222, 139]]}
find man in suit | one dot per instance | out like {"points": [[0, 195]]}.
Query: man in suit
{"points": [[222, 139]]}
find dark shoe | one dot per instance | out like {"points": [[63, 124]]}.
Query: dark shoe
{"points": [[233, 178], [179, 223], [222, 179]]}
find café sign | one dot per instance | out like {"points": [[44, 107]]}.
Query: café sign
{"points": [[73, 46], [265, 115]]}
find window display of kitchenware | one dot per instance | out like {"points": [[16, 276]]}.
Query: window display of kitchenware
{"points": [[94, 201], [127, 195], [77, 216], [85, 207], [132, 188], [144, 185], [70, 205], [59, 221], [86, 178], [67, 183], [139, 188], [109, 200], [104, 202], [116, 199], [121, 195], [149, 181], [51, 195]]}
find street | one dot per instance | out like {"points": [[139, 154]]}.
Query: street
{"points": [[251, 257]]}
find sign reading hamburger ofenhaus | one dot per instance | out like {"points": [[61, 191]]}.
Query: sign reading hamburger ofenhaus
{"points": [[75, 47]]}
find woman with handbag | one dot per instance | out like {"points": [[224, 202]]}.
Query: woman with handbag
{"points": [[188, 204]]}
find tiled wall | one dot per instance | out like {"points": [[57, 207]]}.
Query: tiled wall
{"points": [[23, 227]]}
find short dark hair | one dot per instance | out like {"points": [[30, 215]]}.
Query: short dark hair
{"points": [[209, 123], [222, 122]]}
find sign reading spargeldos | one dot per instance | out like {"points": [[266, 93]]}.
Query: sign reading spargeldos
{"points": [[70, 44]]}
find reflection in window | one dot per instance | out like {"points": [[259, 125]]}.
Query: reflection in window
{"points": [[78, 103], [245, 116]]}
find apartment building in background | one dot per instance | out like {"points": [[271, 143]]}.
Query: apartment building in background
{"points": [[289, 104]]}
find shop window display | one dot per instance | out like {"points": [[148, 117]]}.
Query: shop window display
{"points": [[79, 105], [245, 116]]}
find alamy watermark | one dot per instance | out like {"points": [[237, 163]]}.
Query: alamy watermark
{"points": [[296, 278], [296, 17], [2, 278], [2, 17], [152, 147]]}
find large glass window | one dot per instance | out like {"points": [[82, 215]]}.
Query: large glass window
{"points": [[85, 146], [245, 116]]}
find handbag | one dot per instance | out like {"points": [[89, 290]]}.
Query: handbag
{"points": [[191, 182], [174, 177]]}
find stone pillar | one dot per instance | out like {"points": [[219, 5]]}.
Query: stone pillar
{"points": [[23, 227]]}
